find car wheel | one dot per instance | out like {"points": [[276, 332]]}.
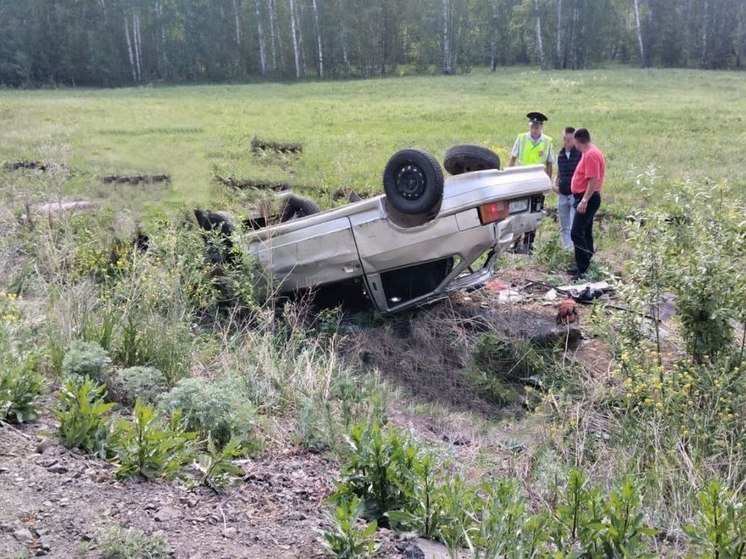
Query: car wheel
{"points": [[413, 182], [467, 158], [298, 206]]}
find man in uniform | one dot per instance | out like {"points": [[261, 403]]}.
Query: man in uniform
{"points": [[532, 148]]}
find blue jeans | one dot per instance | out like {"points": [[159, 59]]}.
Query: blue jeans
{"points": [[566, 213]]}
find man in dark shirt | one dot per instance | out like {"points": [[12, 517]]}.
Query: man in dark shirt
{"points": [[567, 161]]}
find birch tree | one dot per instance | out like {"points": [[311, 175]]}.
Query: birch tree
{"points": [[260, 38], [640, 41], [294, 36], [539, 38], [319, 48]]}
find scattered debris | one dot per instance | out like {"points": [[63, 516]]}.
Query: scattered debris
{"points": [[567, 312], [135, 179], [49, 210], [602, 285], [25, 164], [259, 145]]}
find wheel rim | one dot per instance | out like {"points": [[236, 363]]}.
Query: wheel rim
{"points": [[411, 182]]}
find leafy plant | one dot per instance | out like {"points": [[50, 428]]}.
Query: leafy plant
{"points": [[84, 416], [150, 446], [20, 387], [506, 528], [380, 470], [118, 543], [216, 467], [347, 539], [720, 530]]}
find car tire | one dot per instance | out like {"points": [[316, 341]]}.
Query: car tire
{"points": [[466, 158], [413, 182], [298, 206]]}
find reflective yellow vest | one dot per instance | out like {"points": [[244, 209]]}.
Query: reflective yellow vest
{"points": [[530, 154]]}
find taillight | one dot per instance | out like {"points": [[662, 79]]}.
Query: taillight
{"points": [[493, 212]]}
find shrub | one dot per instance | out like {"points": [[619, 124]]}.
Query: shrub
{"points": [[219, 409], [84, 416], [146, 383], [20, 387], [150, 446], [118, 543], [380, 470], [720, 530], [86, 359]]}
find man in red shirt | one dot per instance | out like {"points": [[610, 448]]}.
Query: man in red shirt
{"points": [[586, 188]]}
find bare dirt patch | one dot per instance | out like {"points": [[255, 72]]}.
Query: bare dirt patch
{"points": [[54, 500]]}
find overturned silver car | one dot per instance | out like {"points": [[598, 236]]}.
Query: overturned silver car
{"points": [[417, 241]]}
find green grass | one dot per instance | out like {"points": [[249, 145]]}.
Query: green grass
{"points": [[681, 122]]}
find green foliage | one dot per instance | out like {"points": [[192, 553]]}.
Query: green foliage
{"points": [[380, 470], [20, 386], [503, 525], [549, 253], [593, 526], [145, 383], [216, 467], [346, 539], [696, 257], [118, 543], [720, 530], [219, 409], [86, 359], [84, 416], [150, 446]]}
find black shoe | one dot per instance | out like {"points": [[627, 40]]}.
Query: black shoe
{"points": [[572, 270], [579, 276]]}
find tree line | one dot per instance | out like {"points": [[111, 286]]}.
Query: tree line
{"points": [[129, 42]]}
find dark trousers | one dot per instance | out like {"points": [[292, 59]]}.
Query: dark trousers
{"points": [[582, 231]]}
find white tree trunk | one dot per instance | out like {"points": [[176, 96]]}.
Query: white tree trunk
{"points": [[138, 45], [238, 22], [640, 42], [260, 34], [447, 69], [705, 26], [539, 39], [129, 49], [294, 36], [273, 31], [319, 48], [560, 58], [342, 18]]}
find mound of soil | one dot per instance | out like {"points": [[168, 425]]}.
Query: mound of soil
{"points": [[135, 179], [427, 351], [25, 164]]}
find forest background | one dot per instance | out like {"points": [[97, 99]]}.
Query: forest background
{"points": [[110, 43]]}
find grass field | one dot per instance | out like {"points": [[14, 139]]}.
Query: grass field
{"points": [[669, 123], [632, 444]]}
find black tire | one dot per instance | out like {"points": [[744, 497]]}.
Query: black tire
{"points": [[413, 182], [466, 158], [298, 206]]}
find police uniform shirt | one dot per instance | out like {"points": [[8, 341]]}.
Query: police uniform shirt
{"points": [[537, 141]]}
